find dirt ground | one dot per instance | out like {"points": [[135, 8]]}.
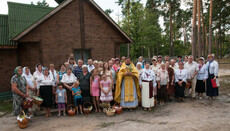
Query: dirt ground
{"points": [[192, 115]]}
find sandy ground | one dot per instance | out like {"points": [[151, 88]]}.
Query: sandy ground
{"points": [[192, 115]]}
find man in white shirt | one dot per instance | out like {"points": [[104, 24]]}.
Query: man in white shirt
{"points": [[172, 65], [192, 69], [90, 65]]}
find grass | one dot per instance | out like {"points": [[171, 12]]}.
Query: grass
{"points": [[6, 106], [106, 124]]}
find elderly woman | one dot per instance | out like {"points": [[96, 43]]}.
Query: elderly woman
{"points": [[212, 67], [68, 80], [84, 79], [31, 88], [19, 90], [155, 67], [163, 84], [202, 75], [180, 79], [139, 69], [46, 90], [147, 82], [171, 88]]}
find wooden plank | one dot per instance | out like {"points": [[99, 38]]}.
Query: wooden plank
{"points": [[82, 23]]}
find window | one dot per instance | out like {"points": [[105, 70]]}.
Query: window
{"points": [[83, 54]]}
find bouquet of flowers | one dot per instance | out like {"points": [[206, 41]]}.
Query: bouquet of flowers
{"points": [[129, 68]]}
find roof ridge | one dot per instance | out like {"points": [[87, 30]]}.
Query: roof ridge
{"points": [[3, 15], [24, 4]]}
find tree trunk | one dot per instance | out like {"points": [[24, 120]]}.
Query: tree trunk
{"points": [[149, 52], [184, 33], [128, 28], [199, 29], [206, 39], [203, 31], [220, 38], [170, 24], [157, 48], [210, 29], [194, 29]]}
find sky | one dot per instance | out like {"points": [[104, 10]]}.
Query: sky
{"points": [[104, 4]]}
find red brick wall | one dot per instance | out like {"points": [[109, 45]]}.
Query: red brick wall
{"points": [[8, 62], [60, 34], [29, 55]]}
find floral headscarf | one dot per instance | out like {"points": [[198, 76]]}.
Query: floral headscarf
{"points": [[16, 71], [43, 70]]}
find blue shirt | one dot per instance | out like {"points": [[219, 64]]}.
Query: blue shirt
{"points": [[77, 71], [78, 95]]}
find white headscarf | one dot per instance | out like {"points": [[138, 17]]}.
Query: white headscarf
{"points": [[138, 63], [28, 77]]}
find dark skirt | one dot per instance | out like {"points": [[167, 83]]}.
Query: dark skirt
{"points": [[210, 90], [171, 89], [46, 94], [200, 86], [85, 93], [162, 94], [69, 95], [179, 90]]}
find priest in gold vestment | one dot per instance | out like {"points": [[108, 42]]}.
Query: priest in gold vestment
{"points": [[127, 91]]}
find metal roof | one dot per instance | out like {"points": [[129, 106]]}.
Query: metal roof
{"points": [[4, 31], [21, 16]]}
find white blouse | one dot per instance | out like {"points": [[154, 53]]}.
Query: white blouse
{"points": [[213, 69], [53, 75], [191, 69], [202, 73], [36, 76], [45, 81], [148, 75], [155, 68], [140, 72], [68, 78], [180, 75], [166, 77]]}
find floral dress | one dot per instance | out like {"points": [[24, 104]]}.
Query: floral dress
{"points": [[17, 99]]}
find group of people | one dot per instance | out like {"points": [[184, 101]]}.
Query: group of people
{"points": [[115, 81]]}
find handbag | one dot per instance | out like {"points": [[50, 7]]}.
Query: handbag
{"points": [[214, 85]]}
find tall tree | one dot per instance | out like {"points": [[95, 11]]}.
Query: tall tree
{"points": [[194, 36], [203, 30], [171, 28], [210, 28], [199, 28]]}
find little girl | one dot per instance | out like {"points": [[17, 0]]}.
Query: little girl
{"points": [[106, 92], [76, 92], [94, 89], [61, 99]]}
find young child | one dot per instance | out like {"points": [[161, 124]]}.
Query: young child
{"points": [[94, 89], [61, 99], [106, 92], [76, 92]]}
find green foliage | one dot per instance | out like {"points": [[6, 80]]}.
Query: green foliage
{"points": [[108, 11], [142, 24], [43, 3]]}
